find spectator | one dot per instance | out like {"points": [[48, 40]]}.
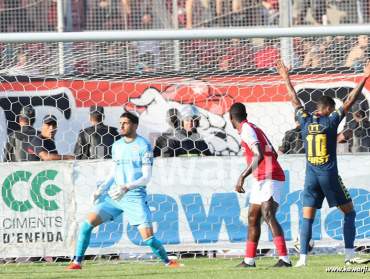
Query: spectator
{"points": [[292, 141], [363, 11], [225, 63], [102, 14], [24, 65], [361, 132], [358, 133], [182, 139], [270, 12], [337, 51], [190, 142], [237, 55], [145, 63], [316, 54], [13, 17], [165, 144], [158, 10], [15, 149], [107, 15], [78, 16], [226, 10], [311, 55], [358, 54], [348, 10], [125, 12], [266, 57], [42, 147], [95, 142], [318, 11], [241, 12], [148, 52], [201, 55], [199, 13], [52, 16]]}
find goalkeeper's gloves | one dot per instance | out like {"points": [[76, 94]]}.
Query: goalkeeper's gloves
{"points": [[117, 192], [98, 192]]}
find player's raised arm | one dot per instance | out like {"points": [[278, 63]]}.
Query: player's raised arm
{"points": [[283, 72], [353, 95]]}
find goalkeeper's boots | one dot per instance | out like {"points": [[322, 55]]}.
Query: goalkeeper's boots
{"points": [[282, 263], [243, 264], [74, 265], [174, 264], [357, 261]]}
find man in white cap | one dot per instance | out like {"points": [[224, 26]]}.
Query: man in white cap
{"points": [[190, 142]]}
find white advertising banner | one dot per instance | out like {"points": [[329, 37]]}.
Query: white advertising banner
{"points": [[192, 201], [36, 209]]}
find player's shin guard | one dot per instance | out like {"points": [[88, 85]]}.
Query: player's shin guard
{"points": [[305, 235], [281, 248], [157, 248], [83, 240]]}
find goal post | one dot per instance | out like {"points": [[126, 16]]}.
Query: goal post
{"points": [[190, 34], [150, 72]]}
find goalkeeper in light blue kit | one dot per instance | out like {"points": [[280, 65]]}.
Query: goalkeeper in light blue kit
{"points": [[126, 189]]}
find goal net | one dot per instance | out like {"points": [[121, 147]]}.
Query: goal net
{"points": [[194, 206]]}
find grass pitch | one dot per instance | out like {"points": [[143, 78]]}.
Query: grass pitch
{"points": [[194, 268]]}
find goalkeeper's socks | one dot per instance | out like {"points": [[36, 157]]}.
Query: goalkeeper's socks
{"points": [[83, 240], [305, 235], [349, 229], [281, 248], [157, 248]]}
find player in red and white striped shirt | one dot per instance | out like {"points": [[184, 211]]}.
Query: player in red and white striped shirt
{"points": [[268, 181]]}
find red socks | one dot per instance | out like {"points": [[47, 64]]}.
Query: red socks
{"points": [[251, 249], [280, 245]]}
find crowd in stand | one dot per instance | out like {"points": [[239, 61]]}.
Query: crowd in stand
{"points": [[156, 56], [35, 15]]}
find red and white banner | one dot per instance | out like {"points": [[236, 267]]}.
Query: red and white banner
{"points": [[265, 97]]}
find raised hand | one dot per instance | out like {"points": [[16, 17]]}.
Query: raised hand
{"points": [[282, 69], [367, 69]]}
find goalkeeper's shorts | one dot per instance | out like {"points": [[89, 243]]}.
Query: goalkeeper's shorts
{"points": [[134, 208]]}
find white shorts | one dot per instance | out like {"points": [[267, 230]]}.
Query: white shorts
{"points": [[263, 190]]}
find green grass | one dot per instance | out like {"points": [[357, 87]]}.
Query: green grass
{"points": [[194, 268]]}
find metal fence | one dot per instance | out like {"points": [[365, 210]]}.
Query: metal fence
{"points": [[169, 56], [81, 15]]}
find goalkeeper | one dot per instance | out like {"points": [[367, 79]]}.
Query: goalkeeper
{"points": [[126, 189]]}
